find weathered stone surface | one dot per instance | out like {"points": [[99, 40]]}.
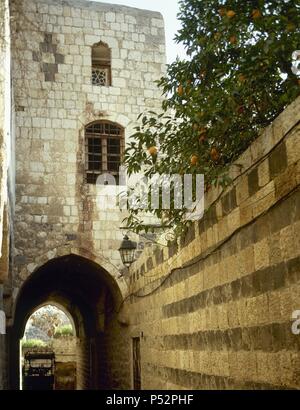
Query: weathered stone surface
{"points": [[60, 101], [56, 211], [278, 160], [222, 319], [229, 201], [253, 182], [212, 311]]}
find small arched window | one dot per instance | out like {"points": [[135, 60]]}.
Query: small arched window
{"points": [[101, 65], [104, 149]]}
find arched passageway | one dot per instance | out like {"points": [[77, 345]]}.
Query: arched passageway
{"points": [[89, 294], [48, 359]]}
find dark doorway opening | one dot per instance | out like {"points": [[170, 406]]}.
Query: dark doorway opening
{"points": [[136, 350], [85, 290]]}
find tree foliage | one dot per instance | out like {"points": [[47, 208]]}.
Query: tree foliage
{"points": [[236, 79], [63, 331], [46, 320], [32, 343]]}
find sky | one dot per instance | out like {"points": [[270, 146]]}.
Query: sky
{"points": [[169, 9]]}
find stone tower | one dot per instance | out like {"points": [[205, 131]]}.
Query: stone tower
{"points": [[82, 72], [57, 95]]}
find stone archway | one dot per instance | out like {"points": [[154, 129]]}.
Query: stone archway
{"points": [[88, 292], [52, 326], [64, 250]]}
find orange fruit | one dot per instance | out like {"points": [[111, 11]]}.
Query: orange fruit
{"points": [[233, 40], [230, 14], [194, 159], [256, 14], [180, 90], [153, 150], [214, 154]]}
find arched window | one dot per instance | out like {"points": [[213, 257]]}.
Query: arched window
{"points": [[101, 64], [104, 148]]}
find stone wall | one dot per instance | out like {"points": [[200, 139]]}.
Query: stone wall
{"points": [[4, 164], [83, 364], [65, 376], [55, 100], [65, 349], [4, 84], [118, 354], [220, 301], [218, 314]]}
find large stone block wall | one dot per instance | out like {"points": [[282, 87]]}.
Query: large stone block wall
{"points": [[64, 348], [220, 301], [218, 313], [118, 354], [55, 100]]}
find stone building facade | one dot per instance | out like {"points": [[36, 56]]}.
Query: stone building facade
{"points": [[211, 311], [55, 100], [7, 188]]}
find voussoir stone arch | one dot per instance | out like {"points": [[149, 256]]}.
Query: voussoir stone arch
{"points": [[57, 252], [93, 115]]}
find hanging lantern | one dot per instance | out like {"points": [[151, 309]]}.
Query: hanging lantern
{"points": [[127, 251]]}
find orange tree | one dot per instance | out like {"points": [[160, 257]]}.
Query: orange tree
{"points": [[236, 79]]}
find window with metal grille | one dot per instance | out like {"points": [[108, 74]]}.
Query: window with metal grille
{"points": [[101, 64], [104, 148]]}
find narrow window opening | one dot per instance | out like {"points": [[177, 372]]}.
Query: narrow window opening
{"points": [[101, 65]]}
